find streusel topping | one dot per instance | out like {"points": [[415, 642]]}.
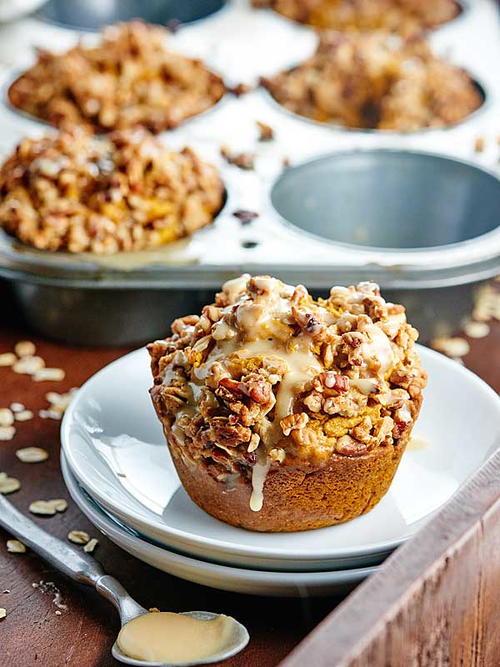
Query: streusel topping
{"points": [[376, 80], [403, 16], [75, 192], [268, 375], [130, 79]]}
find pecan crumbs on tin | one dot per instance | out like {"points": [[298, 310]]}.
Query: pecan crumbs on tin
{"points": [[130, 79], [285, 413], [406, 17], [78, 193], [376, 80]]}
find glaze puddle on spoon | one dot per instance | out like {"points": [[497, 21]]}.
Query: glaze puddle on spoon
{"points": [[170, 638]]}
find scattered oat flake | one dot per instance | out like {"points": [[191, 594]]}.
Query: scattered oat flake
{"points": [[49, 375], [3, 612], [476, 329], [16, 547], [48, 507], [32, 454], [78, 537], [453, 347], [17, 407], [7, 359], [58, 612], [28, 365], [7, 432], [8, 484], [23, 415], [25, 348], [50, 414], [6, 417], [90, 546]]}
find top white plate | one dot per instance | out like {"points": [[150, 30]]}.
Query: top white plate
{"points": [[115, 447]]}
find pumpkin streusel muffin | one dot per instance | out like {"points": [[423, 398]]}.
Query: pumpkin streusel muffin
{"points": [[376, 80], [406, 17], [129, 79], [283, 413], [72, 191]]}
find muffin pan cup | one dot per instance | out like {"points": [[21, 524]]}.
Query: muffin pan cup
{"points": [[84, 299]]}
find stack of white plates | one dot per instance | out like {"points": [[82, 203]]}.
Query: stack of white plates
{"points": [[118, 470]]}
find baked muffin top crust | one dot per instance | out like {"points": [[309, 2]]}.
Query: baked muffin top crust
{"points": [[72, 191], [130, 79], [376, 80], [406, 17], [268, 376]]}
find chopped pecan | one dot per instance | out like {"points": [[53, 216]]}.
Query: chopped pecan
{"points": [[347, 446], [294, 422]]}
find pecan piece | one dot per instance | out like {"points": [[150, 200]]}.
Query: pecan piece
{"points": [[347, 446], [294, 423]]}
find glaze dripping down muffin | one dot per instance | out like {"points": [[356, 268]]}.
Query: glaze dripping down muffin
{"points": [[287, 413]]}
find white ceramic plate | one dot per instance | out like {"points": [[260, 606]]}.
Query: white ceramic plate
{"points": [[237, 580], [115, 447]]}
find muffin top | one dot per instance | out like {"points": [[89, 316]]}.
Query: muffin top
{"points": [[129, 79], [269, 376], [376, 80], [404, 16], [72, 191]]}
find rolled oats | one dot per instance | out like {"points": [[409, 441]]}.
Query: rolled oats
{"points": [[6, 417], [48, 507], [23, 415], [476, 329], [78, 537], [25, 348], [17, 407], [16, 547], [7, 359], [32, 454], [7, 432], [8, 484], [453, 347], [3, 612], [49, 375], [90, 546]]}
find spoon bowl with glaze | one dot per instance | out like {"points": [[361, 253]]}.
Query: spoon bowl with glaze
{"points": [[169, 640]]}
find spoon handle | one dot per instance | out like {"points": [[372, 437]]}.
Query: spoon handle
{"points": [[77, 565]]}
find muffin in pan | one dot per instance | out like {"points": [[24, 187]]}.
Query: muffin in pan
{"points": [[130, 79], [406, 17], [286, 413], [72, 191], [376, 80]]}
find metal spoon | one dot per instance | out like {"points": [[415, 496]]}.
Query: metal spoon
{"points": [[86, 570]]}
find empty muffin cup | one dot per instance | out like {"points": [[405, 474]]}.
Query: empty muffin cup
{"points": [[93, 14], [389, 199]]}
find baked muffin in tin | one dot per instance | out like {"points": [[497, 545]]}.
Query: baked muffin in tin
{"points": [[131, 78], [74, 192], [376, 80]]}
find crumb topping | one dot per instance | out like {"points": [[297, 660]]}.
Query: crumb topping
{"points": [[376, 80], [78, 193], [404, 16], [267, 375], [130, 79]]}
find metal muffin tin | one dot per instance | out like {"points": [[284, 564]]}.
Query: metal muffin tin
{"points": [[432, 269]]}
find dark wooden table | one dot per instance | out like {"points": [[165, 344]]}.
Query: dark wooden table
{"points": [[33, 634]]}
